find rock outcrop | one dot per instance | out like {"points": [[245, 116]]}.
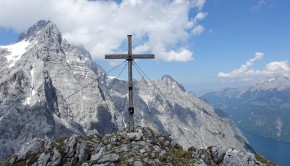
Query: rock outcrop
{"points": [[142, 147]]}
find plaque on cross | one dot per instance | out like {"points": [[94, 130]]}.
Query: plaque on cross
{"points": [[130, 57]]}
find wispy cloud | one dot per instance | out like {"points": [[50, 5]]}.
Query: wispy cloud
{"points": [[262, 4], [162, 27], [245, 71]]}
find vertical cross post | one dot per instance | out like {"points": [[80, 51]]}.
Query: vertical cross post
{"points": [[130, 57], [130, 84]]}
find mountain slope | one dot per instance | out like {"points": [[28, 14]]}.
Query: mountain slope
{"points": [[262, 108], [42, 71]]}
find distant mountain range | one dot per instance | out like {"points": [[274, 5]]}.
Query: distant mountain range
{"points": [[263, 108], [51, 88]]}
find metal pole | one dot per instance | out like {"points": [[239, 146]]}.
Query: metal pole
{"points": [[130, 85]]}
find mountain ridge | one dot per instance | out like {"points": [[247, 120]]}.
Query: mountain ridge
{"points": [[261, 108], [37, 94]]}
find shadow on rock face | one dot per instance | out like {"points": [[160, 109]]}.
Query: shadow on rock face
{"points": [[104, 124]]}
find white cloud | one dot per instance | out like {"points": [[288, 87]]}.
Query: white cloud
{"points": [[197, 30], [243, 68], [277, 67], [182, 55], [162, 27], [245, 71], [194, 22], [200, 16], [198, 3]]}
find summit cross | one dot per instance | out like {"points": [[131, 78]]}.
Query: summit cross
{"points": [[130, 57]]}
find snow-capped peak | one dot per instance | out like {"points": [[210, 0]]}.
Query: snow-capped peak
{"points": [[274, 82], [15, 51]]}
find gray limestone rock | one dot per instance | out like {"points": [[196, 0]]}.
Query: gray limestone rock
{"points": [[218, 153], [43, 159], [71, 146], [124, 149], [125, 152], [83, 152], [109, 158], [166, 143], [56, 158], [235, 157], [173, 143], [156, 148], [34, 146], [200, 163], [139, 144], [135, 136], [138, 163], [98, 156], [12, 161]]}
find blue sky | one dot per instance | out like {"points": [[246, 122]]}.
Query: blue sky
{"points": [[204, 45]]}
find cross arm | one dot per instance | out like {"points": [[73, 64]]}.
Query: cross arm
{"points": [[126, 56]]}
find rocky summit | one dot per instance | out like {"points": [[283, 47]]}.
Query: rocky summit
{"points": [[53, 89], [142, 147]]}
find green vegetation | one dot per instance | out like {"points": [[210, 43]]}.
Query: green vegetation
{"points": [[179, 156], [29, 160], [4, 163], [58, 142], [263, 160]]}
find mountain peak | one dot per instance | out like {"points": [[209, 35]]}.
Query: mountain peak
{"points": [[167, 77], [275, 82], [169, 80], [34, 29]]}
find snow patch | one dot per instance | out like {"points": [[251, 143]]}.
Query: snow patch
{"points": [[16, 50], [33, 92], [27, 101], [111, 77], [272, 79], [142, 116], [123, 120]]}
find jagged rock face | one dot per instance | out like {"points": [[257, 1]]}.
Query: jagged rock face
{"points": [[142, 147], [34, 87], [171, 110], [262, 108], [42, 71]]}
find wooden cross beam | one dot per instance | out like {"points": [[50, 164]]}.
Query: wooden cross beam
{"points": [[130, 57]]}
